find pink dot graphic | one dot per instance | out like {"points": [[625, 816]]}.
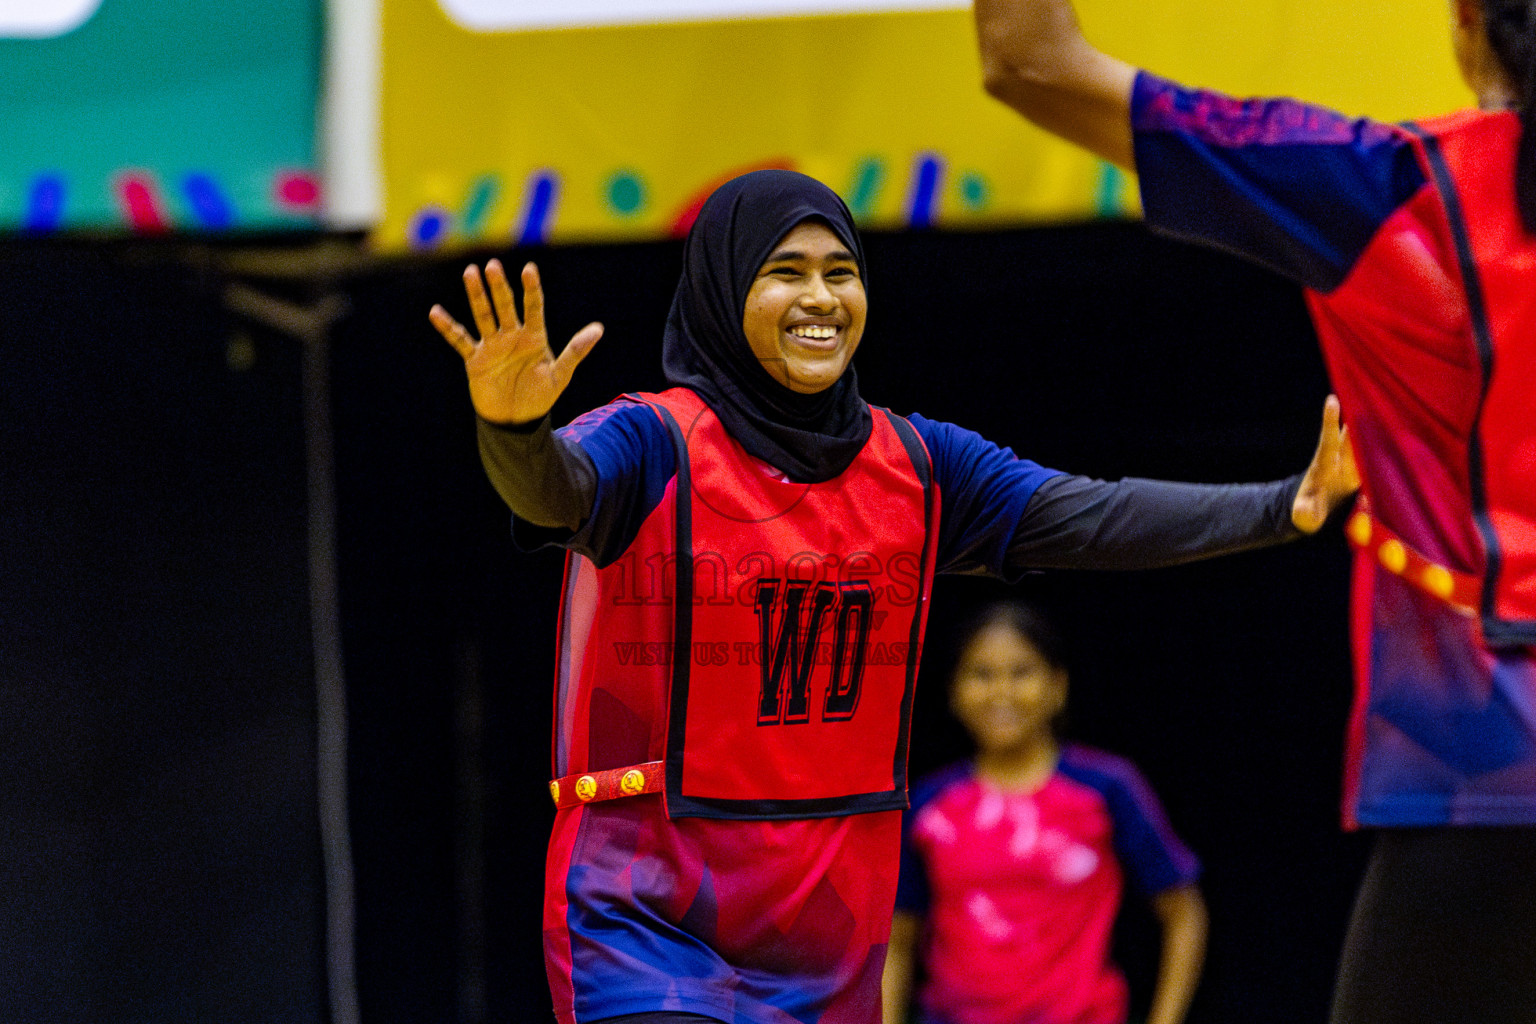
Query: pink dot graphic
{"points": [[298, 189]]}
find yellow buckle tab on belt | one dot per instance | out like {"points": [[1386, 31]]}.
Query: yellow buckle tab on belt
{"points": [[612, 784], [1457, 589]]}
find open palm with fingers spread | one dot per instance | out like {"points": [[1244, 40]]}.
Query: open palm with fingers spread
{"points": [[514, 377]]}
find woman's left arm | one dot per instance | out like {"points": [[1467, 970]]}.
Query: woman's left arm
{"points": [[1185, 923], [1075, 522]]}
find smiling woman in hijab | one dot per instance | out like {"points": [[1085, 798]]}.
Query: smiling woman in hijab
{"points": [[750, 559]]}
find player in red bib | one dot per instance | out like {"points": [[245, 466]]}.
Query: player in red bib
{"points": [[751, 555], [1416, 244]]}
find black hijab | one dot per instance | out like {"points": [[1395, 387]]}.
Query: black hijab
{"points": [[810, 438]]}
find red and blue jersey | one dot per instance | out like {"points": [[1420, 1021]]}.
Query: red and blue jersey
{"points": [[761, 637], [1019, 890], [1422, 287]]}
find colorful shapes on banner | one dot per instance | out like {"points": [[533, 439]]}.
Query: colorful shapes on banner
{"points": [[1107, 197], [927, 177], [45, 204], [868, 176], [690, 211], [539, 210], [209, 205], [428, 227], [934, 189], [297, 190], [141, 204], [202, 200], [975, 191], [625, 194], [936, 192], [482, 196]]}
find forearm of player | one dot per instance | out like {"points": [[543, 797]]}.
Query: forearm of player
{"points": [[1075, 522], [544, 479], [900, 953], [1185, 923], [1035, 58]]}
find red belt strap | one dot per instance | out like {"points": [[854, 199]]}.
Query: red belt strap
{"points": [[590, 787], [1457, 589]]}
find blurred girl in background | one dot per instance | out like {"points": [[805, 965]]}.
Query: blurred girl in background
{"points": [[1013, 863]]}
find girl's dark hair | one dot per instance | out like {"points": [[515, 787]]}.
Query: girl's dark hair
{"points": [[1028, 620], [1511, 30]]}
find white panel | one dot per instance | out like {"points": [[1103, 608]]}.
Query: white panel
{"points": [[513, 15], [349, 115], [42, 19]]}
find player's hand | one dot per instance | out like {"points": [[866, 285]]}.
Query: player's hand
{"points": [[1332, 476], [514, 377]]}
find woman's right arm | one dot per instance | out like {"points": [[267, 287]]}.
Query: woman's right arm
{"points": [[514, 380], [589, 485], [544, 479]]}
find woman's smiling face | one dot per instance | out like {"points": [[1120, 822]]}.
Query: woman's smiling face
{"points": [[805, 311]]}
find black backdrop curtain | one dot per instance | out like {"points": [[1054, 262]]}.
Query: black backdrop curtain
{"points": [[158, 828]]}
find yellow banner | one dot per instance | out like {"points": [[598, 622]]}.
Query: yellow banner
{"points": [[504, 122]]}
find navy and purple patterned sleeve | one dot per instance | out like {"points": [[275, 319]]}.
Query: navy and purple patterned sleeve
{"points": [[983, 491], [1298, 188], [1153, 856]]}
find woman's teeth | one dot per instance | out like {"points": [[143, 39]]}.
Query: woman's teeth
{"points": [[814, 332]]}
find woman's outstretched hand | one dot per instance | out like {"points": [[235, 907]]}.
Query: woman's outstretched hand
{"points": [[514, 377], [1332, 476]]}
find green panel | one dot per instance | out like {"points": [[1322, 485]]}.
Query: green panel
{"points": [[211, 107]]}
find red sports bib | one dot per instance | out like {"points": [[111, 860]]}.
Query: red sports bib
{"points": [[802, 607]]}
